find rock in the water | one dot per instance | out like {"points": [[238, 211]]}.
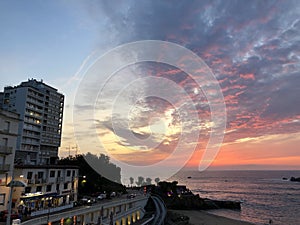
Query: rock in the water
{"points": [[177, 219], [294, 179]]}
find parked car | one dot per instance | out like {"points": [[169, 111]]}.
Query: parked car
{"points": [[16, 222], [131, 196], [101, 196], [87, 201]]}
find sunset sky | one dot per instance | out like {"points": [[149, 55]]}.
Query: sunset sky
{"points": [[251, 47]]}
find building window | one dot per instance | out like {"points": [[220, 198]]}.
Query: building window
{"points": [[27, 189], [48, 189], [29, 175], [7, 126], [65, 185], [58, 173], [4, 141], [40, 175], [52, 173], [73, 173], [68, 173], [38, 188], [57, 187], [2, 199]]}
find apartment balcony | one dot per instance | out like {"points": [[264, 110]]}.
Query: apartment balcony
{"points": [[59, 179], [4, 168], [5, 131], [34, 109], [32, 113], [33, 101], [6, 150], [30, 142], [40, 181], [37, 181], [31, 135], [68, 179], [31, 127], [30, 181]]}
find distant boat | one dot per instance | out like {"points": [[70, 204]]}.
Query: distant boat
{"points": [[189, 177]]}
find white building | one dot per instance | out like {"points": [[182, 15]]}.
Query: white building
{"points": [[30, 134], [41, 112], [47, 186], [8, 135]]}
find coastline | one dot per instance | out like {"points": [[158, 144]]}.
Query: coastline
{"points": [[200, 217]]}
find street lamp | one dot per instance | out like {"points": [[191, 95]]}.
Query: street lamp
{"points": [[83, 180], [13, 183], [49, 207]]}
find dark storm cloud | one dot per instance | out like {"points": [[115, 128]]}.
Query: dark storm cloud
{"points": [[252, 47]]}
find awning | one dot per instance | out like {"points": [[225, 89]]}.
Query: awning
{"points": [[16, 183], [39, 196], [54, 194]]}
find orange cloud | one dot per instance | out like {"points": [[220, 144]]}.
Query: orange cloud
{"points": [[261, 151]]}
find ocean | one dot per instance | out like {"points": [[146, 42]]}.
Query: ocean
{"points": [[264, 194]]}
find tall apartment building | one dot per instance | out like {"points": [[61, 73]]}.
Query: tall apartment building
{"points": [[8, 135], [41, 112]]}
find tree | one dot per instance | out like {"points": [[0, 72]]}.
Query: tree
{"points": [[104, 166], [89, 180], [140, 181], [157, 180], [131, 180], [148, 181]]}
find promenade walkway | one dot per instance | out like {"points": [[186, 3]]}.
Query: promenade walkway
{"points": [[123, 209]]}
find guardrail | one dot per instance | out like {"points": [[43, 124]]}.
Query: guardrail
{"points": [[161, 210], [51, 210], [148, 220], [85, 210]]}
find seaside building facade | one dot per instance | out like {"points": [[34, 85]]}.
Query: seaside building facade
{"points": [[31, 117], [47, 186], [41, 112], [8, 136]]}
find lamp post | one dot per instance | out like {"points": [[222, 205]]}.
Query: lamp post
{"points": [[13, 183], [10, 185], [82, 182], [49, 207]]}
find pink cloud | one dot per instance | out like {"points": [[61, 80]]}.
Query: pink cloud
{"points": [[248, 76]]}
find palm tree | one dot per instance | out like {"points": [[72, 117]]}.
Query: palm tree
{"points": [[148, 181], [157, 180], [131, 181], [140, 181]]}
